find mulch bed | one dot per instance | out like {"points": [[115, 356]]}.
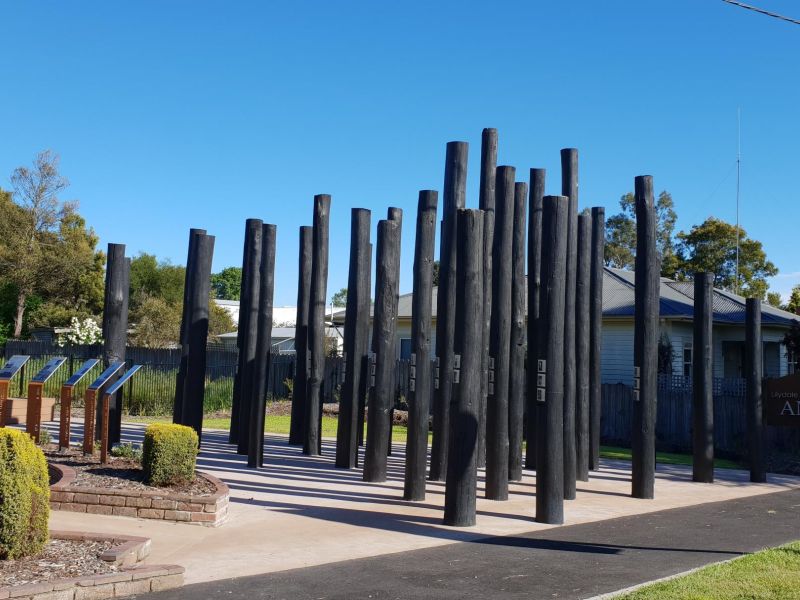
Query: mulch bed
{"points": [[120, 473], [60, 559]]}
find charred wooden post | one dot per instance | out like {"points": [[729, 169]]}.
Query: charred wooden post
{"points": [[356, 334], [645, 343], [364, 320], [255, 446], [754, 374], [583, 345], [115, 330], [462, 468], [383, 333], [312, 445], [537, 177], [247, 353], [455, 184], [419, 384], [702, 382], [569, 188], [486, 204], [550, 364], [500, 339], [595, 334], [243, 340], [394, 214], [516, 394], [299, 401]]}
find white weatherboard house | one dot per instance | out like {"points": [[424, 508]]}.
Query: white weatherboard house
{"points": [[676, 311]]}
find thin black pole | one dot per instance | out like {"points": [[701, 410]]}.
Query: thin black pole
{"points": [[454, 197], [387, 271], [550, 364], [486, 204], [596, 334], [702, 382], [197, 333], [250, 305], [261, 372], [312, 445], [252, 229], [516, 394], [500, 339], [299, 397], [645, 343], [364, 321], [394, 214], [419, 389], [754, 374], [537, 177], [462, 473], [583, 345], [355, 338], [569, 188]]}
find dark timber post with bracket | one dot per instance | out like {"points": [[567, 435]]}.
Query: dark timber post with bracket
{"points": [[596, 334], [387, 273], [645, 343], [550, 364], [462, 469], [516, 376], [583, 345], [754, 374], [312, 445], [702, 382], [500, 339], [355, 338], [455, 184], [394, 214], [419, 384], [537, 177], [486, 204], [366, 385], [297, 429]]}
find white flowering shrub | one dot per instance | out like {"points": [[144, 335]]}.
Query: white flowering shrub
{"points": [[81, 332]]}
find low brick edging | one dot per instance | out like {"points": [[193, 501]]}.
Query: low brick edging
{"points": [[210, 511], [132, 578]]}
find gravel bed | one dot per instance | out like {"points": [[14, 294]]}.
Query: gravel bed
{"points": [[60, 559]]}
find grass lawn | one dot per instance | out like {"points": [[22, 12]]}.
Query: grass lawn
{"points": [[767, 575], [665, 458]]}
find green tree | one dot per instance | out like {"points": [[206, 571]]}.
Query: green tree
{"points": [[157, 323], [794, 301], [152, 278], [219, 320], [339, 298], [711, 247], [436, 273], [774, 299], [227, 284]]}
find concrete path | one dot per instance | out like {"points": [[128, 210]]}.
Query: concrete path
{"points": [[577, 561]]}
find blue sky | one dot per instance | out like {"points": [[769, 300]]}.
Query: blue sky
{"points": [[171, 115]]}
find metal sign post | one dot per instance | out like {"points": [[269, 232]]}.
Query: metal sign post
{"points": [[11, 368], [112, 389], [90, 404], [33, 419], [65, 418]]}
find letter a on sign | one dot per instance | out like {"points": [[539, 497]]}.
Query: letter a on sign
{"points": [[787, 410]]}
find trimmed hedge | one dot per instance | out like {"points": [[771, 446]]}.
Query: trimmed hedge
{"points": [[169, 454], [24, 495]]}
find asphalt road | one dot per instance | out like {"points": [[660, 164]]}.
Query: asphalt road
{"points": [[577, 561]]}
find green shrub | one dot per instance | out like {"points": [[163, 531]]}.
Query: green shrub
{"points": [[169, 454], [24, 495], [127, 450]]}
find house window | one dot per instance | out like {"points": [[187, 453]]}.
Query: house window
{"points": [[687, 360], [405, 348]]}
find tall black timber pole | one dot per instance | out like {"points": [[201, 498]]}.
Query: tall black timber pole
{"points": [[754, 368], [299, 387], [462, 466], [248, 351], [356, 334], [516, 376], [454, 197], [583, 345], [312, 445], [486, 204], [394, 214], [645, 343], [197, 333], [180, 380], [550, 364], [115, 329], [702, 382], [364, 320], [569, 188], [500, 339], [596, 333], [261, 372], [419, 389], [387, 274], [537, 177]]}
